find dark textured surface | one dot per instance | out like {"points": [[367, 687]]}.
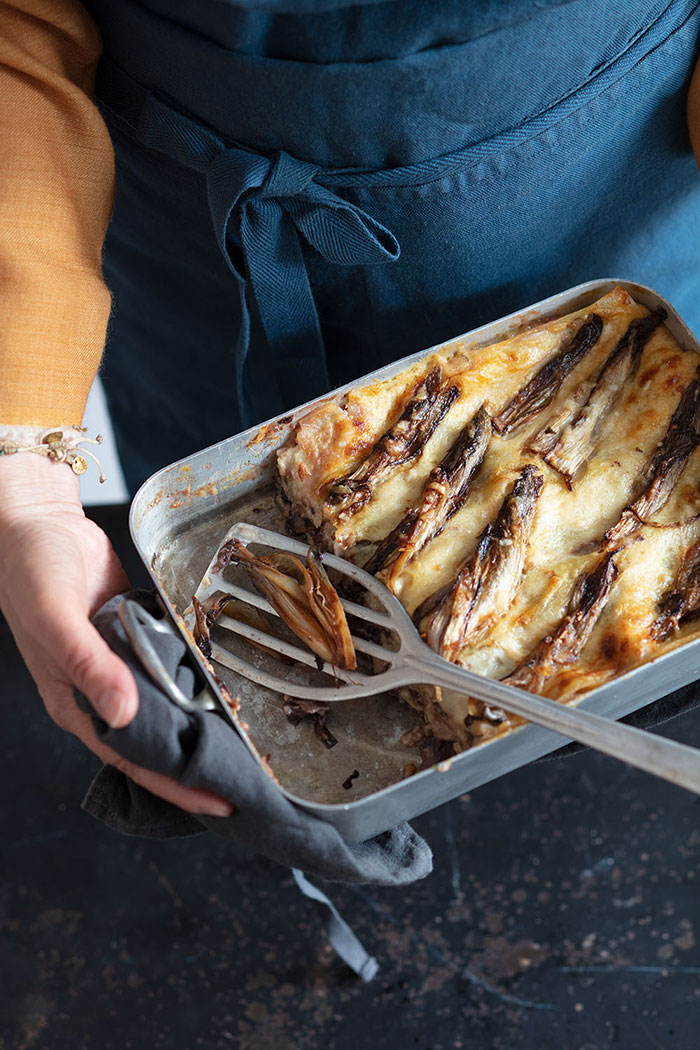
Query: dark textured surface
{"points": [[563, 912]]}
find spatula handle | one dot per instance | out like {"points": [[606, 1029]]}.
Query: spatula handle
{"points": [[134, 619], [667, 759]]}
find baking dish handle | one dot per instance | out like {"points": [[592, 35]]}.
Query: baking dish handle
{"points": [[135, 620]]}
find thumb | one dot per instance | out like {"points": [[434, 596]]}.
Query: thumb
{"points": [[88, 664]]}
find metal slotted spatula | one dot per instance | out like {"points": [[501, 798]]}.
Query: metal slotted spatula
{"points": [[276, 659]]}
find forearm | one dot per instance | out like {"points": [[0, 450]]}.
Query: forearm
{"points": [[56, 190]]}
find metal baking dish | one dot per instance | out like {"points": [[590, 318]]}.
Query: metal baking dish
{"points": [[177, 520]]}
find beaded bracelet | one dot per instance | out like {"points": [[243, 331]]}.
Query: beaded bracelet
{"points": [[61, 446]]}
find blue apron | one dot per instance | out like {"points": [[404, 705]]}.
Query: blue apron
{"points": [[298, 206]]}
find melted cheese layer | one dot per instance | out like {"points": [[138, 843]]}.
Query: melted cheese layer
{"points": [[332, 439]]}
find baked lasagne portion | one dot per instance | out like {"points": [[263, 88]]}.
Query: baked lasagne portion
{"points": [[533, 503]]}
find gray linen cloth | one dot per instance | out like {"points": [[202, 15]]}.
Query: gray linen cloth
{"points": [[203, 750]]}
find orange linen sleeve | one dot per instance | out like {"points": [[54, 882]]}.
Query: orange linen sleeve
{"points": [[694, 112], [56, 191]]}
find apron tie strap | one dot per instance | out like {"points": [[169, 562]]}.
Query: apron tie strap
{"points": [[259, 206]]}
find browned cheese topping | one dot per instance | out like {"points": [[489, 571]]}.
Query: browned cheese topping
{"points": [[533, 503]]}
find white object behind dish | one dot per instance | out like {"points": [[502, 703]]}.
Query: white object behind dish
{"points": [[97, 420]]}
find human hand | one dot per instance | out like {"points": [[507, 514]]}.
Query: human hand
{"points": [[56, 569]]}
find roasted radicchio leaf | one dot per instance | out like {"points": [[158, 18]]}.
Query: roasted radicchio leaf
{"points": [[544, 386], [201, 628], [297, 710], [486, 583], [302, 595], [662, 474], [433, 751], [683, 602], [401, 443], [445, 492], [567, 442], [207, 613], [588, 599]]}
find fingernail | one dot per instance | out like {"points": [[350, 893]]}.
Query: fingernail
{"points": [[111, 707], [220, 809]]}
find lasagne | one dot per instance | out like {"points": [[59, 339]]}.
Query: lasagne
{"points": [[533, 503]]}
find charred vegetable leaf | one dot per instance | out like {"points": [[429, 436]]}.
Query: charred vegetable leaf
{"points": [[208, 612], [201, 628], [684, 601], [544, 440], [541, 390], [445, 492], [302, 595], [433, 751], [297, 710], [487, 582], [567, 443], [662, 474], [589, 598], [403, 442]]}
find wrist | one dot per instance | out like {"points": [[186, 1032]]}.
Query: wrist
{"points": [[30, 483]]}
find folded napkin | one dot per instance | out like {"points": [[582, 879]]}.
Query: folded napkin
{"points": [[203, 750]]}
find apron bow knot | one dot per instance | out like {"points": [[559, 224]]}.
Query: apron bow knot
{"points": [[259, 206]]}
